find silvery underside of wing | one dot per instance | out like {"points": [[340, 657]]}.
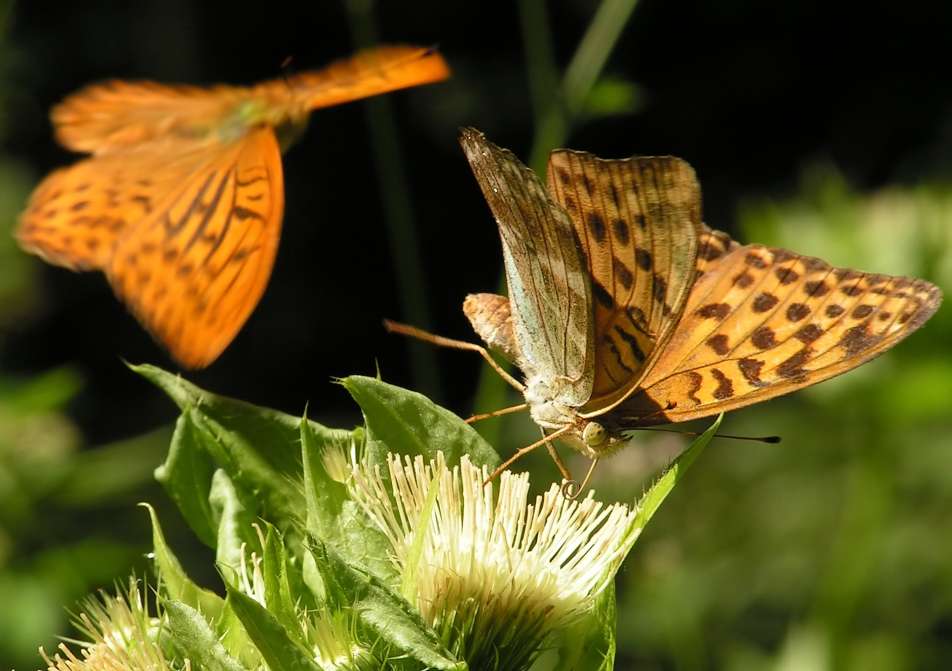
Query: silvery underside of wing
{"points": [[549, 288]]}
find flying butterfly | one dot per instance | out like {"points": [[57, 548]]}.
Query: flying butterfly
{"points": [[180, 204], [626, 311]]}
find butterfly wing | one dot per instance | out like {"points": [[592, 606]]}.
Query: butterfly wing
{"points": [[762, 322], [76, 214], [367, 73], [639, 222], [491, 317], [195, 268], [116, 115], [549, 290]]}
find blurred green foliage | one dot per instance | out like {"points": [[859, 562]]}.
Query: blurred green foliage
{"points": [[60, 505]]}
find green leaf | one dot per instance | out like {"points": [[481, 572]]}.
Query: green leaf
{"points": [[187, 477], [263, 490], [324, 497], [334, 518], [381, 610], [277, 648], [269, 434], [174, 582], [195, 639], [590, 643], [409, 423], [408, 585], [235, 521], [235, 639], [651, 500], [277, 586]]}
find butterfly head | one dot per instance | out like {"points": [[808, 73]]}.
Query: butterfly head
{"points": [[597, 440], [593, 439]]}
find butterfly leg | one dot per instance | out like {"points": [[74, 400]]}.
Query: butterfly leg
{"points": [[440, 341], [496, 413], [563, 469], [573, 493], [521, 452]]}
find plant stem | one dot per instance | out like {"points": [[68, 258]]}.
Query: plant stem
{"points": [[398, 211]]}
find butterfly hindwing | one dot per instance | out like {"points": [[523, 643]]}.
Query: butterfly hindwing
{"points": [[638, 221], [762, 322], [548, 282], [491, 317], [77, 214], [196, 267]]}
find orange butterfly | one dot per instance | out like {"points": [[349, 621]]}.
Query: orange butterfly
{"points": [[181, 203], [625, 310]]}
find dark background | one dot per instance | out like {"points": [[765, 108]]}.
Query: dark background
{"points": [[747, 92], [751, 93]]}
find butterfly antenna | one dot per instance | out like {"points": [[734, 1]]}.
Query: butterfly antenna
{"points": [[285, 68], [756, 439], [521, 452], [440, 341]]}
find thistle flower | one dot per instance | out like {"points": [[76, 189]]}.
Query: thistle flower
{"points": [[329, 635], [494, 579], [332, 640], [250, 579], [121, 637]]}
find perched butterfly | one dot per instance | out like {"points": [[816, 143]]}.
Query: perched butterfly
{"points": [[181, 203], [625, 310]]}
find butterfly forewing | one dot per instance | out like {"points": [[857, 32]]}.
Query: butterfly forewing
{"points": [[548, 283], [195, 268], [106, 117], [638, 221], [762, 322], [367, 73]]}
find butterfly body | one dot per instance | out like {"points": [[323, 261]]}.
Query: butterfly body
{"points": [[625, 310], [181, 201], [491, 318]]}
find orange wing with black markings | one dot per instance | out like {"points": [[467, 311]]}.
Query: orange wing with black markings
{"points": [[762, 322], [638, 221], [181, 203], [196, 267]]}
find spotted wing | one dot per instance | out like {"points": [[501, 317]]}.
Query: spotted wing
{"points": [[77, 214], [548, 284], [117, 115], [491, 317], [639, 221], [195, 268], [762, 322]]}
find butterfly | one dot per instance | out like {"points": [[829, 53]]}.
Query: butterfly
{"points": [[625, 310], [180, 204]]}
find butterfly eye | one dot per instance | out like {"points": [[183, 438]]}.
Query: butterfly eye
{"points": [[594, 435]]}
